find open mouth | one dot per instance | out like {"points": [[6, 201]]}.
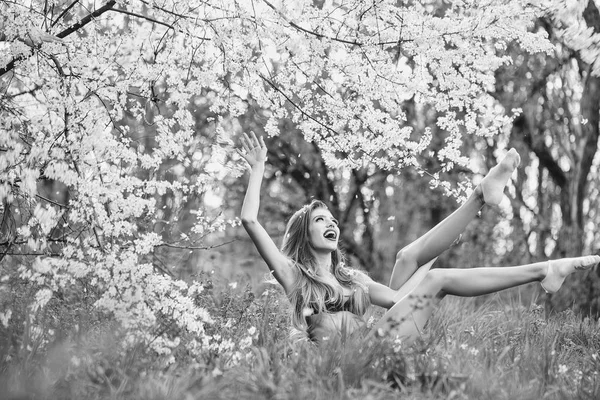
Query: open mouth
{"points": [[330, 234]]}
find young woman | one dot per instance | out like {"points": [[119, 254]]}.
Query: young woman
{"points": [[330, 299]]}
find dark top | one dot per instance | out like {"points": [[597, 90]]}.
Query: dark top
{"points": [[340, 318]]}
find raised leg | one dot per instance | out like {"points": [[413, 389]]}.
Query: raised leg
{"points": [[408, 316], [414, 280], [434, 242], [440, 237]]}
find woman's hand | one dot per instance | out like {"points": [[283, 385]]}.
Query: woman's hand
{"points": [[254, 150]]}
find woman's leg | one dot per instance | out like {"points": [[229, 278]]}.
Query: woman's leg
{"points": [[440, 237], [414, 280], [408, 316]]}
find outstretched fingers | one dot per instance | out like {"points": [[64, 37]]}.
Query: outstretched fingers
{"points": [[252, 142], [254, 150], [246, 143], [255, 141]]}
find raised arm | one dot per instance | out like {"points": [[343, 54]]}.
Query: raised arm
{"points": [[255, 152]]}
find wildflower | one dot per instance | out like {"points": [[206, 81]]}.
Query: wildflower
{"points": [[562, 369], [42, 297], [75, 361], [246, 342], [5, 317], [397, 345], [370, 321]]}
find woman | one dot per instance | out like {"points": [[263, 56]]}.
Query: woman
{"points": [[330, 299]]}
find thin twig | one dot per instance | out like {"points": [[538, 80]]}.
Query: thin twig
{"points": [[52, 201], [177, 246], [319, 35], [132, 14], [66, 10]]}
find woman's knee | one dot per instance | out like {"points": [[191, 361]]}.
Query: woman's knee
{"points": [[436, 279], [404, 268], [406, 258]]}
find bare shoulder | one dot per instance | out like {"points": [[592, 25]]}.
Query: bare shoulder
{"points": [[361, 276]]}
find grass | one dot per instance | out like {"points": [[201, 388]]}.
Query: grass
{"points": [[485, 348]]}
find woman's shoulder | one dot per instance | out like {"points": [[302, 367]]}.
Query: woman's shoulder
{"points": [[359, 277], [357, 274]]}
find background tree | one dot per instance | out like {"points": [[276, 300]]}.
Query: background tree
{"points": [[556, 198]]}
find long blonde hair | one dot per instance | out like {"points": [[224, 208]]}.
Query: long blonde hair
{"points": [[311, 291]]}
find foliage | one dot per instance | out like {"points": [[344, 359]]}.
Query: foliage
{"points": [[489, 348], [94, 363]]}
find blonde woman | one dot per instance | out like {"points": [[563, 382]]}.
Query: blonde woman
{"points": [[329, 299]]}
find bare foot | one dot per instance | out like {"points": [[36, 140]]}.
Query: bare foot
{"points": [[558, 270], [492, 185]]}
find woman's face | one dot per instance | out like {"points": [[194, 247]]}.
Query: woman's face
{"points": [[323, 231]]}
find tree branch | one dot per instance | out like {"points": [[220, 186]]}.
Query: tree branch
{"points": [[541, 151], [184, 247], [164, 10], [87, 19], [34, 254], [132, 14], [73, 28], [66, 10], [319, 35], [155, 21], [296, 106], [52, 201]]}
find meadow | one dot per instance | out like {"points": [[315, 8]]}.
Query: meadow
{"points": [[494, 347]]}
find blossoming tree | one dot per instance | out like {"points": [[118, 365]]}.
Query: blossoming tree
{"points": [[134, 112]]}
